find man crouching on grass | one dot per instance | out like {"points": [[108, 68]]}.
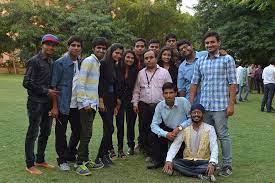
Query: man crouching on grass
{"points": [[200, 155]]}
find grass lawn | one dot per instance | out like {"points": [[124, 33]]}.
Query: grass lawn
{"points": [[252, 132]]}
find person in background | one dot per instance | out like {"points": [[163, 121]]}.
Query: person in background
{"points": [[269, 86], [154, 45], [259, 80]]}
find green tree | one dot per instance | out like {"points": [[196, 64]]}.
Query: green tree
{"points": [[246, 33], [153, 20]]}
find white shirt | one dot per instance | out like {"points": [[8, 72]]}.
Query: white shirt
{"points": [[175, 146], [238, 71], [269, 74], [74, 86]]}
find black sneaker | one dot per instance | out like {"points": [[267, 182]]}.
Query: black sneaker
{"points": [[98, 164], [225, 171], [130, 151], [106, 161]]}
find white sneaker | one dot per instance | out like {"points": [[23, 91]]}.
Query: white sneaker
{"points": [[64, 167]]}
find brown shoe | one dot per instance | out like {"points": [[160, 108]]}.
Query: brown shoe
{"points": [[33, 170], [45, 165]]}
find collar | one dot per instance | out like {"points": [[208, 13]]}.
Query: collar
{"points": [[157, 67], [217, 55], [42, 56], [196, 58], [176, 104], [93, 55]]}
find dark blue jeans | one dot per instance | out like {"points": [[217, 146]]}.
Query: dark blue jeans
{"points": [[39, 123], [269, 90], [190, 168]]}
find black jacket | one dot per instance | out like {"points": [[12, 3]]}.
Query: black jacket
{"points": [[37, 78], [127, 84], [109, 80]]}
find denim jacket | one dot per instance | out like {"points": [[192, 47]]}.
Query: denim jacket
{"points": [[62, 80]]}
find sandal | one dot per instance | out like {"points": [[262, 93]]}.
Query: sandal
{"points": [[121, 154]]}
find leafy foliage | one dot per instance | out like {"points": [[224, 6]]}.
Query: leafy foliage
{"points": [[247, 33]]}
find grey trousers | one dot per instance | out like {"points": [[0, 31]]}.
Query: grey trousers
{"points": [[190, 168]]}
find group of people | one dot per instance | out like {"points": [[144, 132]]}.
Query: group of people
{"points": [[182, 98], [253, 77]]}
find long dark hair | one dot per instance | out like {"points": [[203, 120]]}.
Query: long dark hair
{"points": [[123, 65], [109, 61], [160, 61]]}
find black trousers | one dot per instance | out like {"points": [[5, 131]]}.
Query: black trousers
{"points": [[126, 109], [161, 146], [67, 152], [146, 113], [108, 127], [39, 123], [86, 128]]}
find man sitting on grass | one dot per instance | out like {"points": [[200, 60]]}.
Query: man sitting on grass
{"points": [[200, 155]]}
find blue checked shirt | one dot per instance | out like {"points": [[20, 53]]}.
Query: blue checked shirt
{"points": [[214, 77], [185, 74]]}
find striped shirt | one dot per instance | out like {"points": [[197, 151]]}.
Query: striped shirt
{"points": [[214, 77], [87, 90]]}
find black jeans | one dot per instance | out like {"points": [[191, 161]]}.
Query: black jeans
{"points": [[126, 108], [67, 152], [108, 127], [160, 146], [39, 122], [146, 113], [86, 129], [190, 168], [269, 90]]}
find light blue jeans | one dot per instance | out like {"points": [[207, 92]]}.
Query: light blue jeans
{"points": [[218, 119]]}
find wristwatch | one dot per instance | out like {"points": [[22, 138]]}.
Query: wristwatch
{"points": [[180, 128], [213, 163]]}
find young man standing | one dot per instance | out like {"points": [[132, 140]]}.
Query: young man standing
{"points": [[154, 45], [186, 68], [139, 48], [269, 86], [64, 79], [88, 102], [171, 40], [216, 76], [37, 82], [147, 93]]}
